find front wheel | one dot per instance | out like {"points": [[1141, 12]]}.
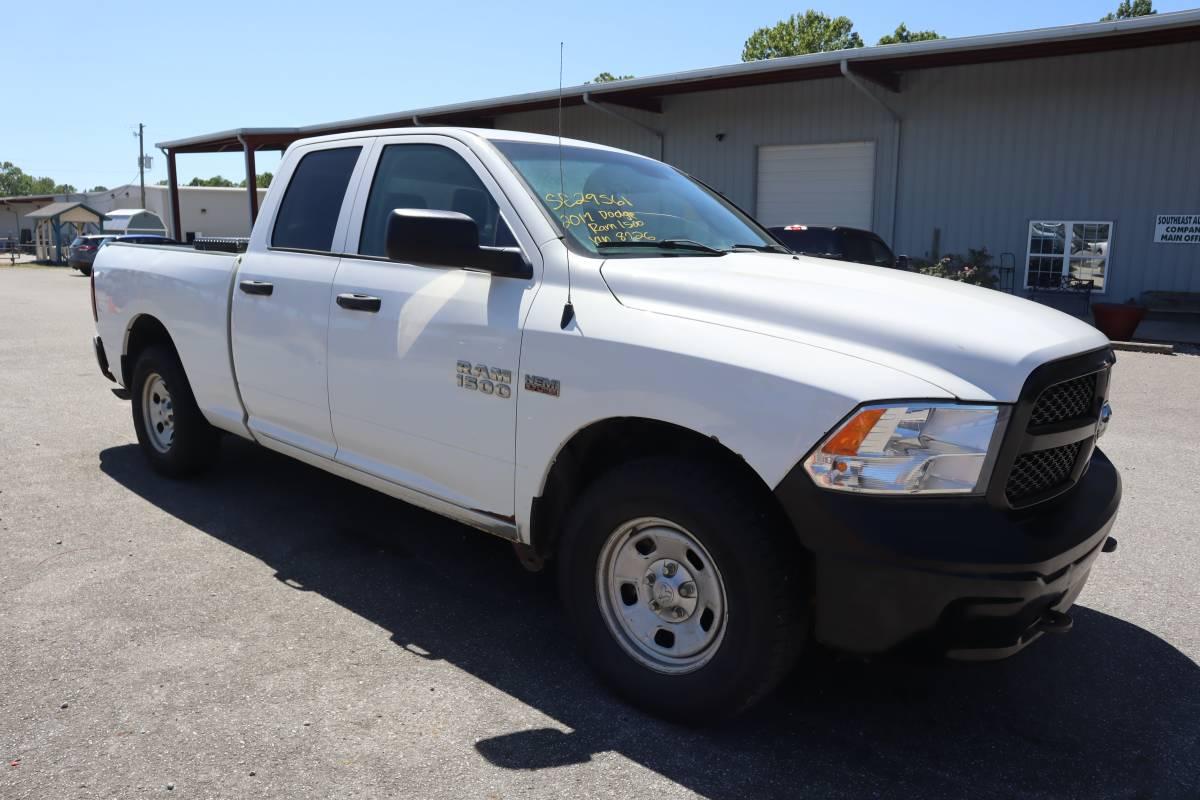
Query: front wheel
{"points": [[173, 433], [686, 594]]}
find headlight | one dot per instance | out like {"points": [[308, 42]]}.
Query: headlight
{"points": [[910, 448]]}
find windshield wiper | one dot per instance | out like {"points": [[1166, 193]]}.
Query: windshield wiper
{"points": [[667, 244], [760, 248]]}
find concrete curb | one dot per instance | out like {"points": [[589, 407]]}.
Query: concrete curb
{"points": [[1145, 347]]}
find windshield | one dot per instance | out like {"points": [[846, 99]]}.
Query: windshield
{"points": [[621, 205]]}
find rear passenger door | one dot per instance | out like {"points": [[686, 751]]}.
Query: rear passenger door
{"points": [[280, 308], [422, 384]]}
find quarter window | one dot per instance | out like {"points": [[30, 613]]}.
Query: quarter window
{"points": [[433, 177], [309, 212], [1067, 250]]}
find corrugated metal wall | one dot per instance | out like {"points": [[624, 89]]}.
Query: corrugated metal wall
{"points": [[1111, 137], [985, 149]]}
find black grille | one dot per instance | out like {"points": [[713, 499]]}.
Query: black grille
{"points": [[1067, 400], [1041, 471]]}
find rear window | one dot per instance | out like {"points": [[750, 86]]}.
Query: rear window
{"points": [[309, 211], [813, 241]]}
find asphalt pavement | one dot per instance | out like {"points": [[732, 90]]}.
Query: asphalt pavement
{"points": [[270, 629]]}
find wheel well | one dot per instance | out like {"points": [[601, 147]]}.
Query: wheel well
{"points": [[604, 445], [145, 332]]}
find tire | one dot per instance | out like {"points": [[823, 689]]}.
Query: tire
{"points": [[749, 576], [173, 434], [84, 270]]}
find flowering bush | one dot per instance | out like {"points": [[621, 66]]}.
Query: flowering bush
{"points": [[975, 269]]}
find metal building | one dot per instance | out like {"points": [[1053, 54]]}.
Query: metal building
{"points": [[1074, 151]]}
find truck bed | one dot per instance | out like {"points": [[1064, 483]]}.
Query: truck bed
{"points": [[192, 288]]}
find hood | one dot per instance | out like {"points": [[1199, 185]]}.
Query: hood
{"points": [[975, 343]]}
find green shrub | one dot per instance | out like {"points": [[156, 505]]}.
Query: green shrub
{"points": [[975, 268]]}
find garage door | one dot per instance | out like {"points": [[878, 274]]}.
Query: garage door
{"points": [[817, 184]]}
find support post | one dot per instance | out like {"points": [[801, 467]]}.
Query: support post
{"points": [[173, 191], [142, 164], [251, 178], [57, 240], [897, 122]]}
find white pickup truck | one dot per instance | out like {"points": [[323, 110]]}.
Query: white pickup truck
{"points": [[727, 449]]}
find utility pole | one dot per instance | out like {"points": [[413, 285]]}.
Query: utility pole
{"points": [[142, 164]]}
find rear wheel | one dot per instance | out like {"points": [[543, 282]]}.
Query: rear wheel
{"points": [[85, 270], [686, 595], [171, 430]]}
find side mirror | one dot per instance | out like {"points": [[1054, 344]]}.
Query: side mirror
{"points": [[903, 262], [448, 239]]}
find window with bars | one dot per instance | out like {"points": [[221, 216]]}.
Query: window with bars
{"points": [[1063, 250]]}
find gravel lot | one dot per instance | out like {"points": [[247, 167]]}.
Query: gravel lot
{"points": [[271, 629]]}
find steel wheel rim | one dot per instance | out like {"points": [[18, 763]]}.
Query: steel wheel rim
{"points": [[158, 412], [661, 595]]}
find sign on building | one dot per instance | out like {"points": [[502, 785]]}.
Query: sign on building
{"points": [[1177, 228]]}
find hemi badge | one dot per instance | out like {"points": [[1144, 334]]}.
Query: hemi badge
{"points": [[536, 383]]}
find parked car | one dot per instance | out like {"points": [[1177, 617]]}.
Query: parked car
{"points": [[839, 243], [589, 354], [82, 251]]}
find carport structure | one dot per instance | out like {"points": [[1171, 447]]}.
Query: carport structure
{"points": [[253, 140]]}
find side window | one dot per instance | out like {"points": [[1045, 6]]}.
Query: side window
{"points": [[866, 249], [881, 256], [309, 211], [428, 176]]}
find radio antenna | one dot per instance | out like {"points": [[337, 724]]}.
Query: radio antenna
{"points": [[568, 312]]}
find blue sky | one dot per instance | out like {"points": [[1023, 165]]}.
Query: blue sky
{"points": [[191, 68]]}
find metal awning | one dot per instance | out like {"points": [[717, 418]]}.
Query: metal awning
{"points": [[884, 64], [29, 198]]}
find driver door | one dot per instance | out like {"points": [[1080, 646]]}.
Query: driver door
{"points": [[422, 375]]}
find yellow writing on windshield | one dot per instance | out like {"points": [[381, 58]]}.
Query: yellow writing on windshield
{"points": [[607, 226], [559, 201]]}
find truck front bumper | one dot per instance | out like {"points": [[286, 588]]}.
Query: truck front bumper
{"points": [[970, 579]]}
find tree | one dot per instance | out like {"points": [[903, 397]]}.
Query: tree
{"points": [[98, 189], [262, 180], [215, 180], [606, 77], [1129, 10], [903, 35], [810, 32], [14, 181]]}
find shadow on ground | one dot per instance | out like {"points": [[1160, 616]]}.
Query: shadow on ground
{"points": [[1108, 711]]}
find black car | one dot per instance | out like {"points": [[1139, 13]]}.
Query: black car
{"points": [[839, 243], [82, 251]]}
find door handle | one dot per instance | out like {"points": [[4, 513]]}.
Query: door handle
{"points": [[359, 302], [256, 287]]}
